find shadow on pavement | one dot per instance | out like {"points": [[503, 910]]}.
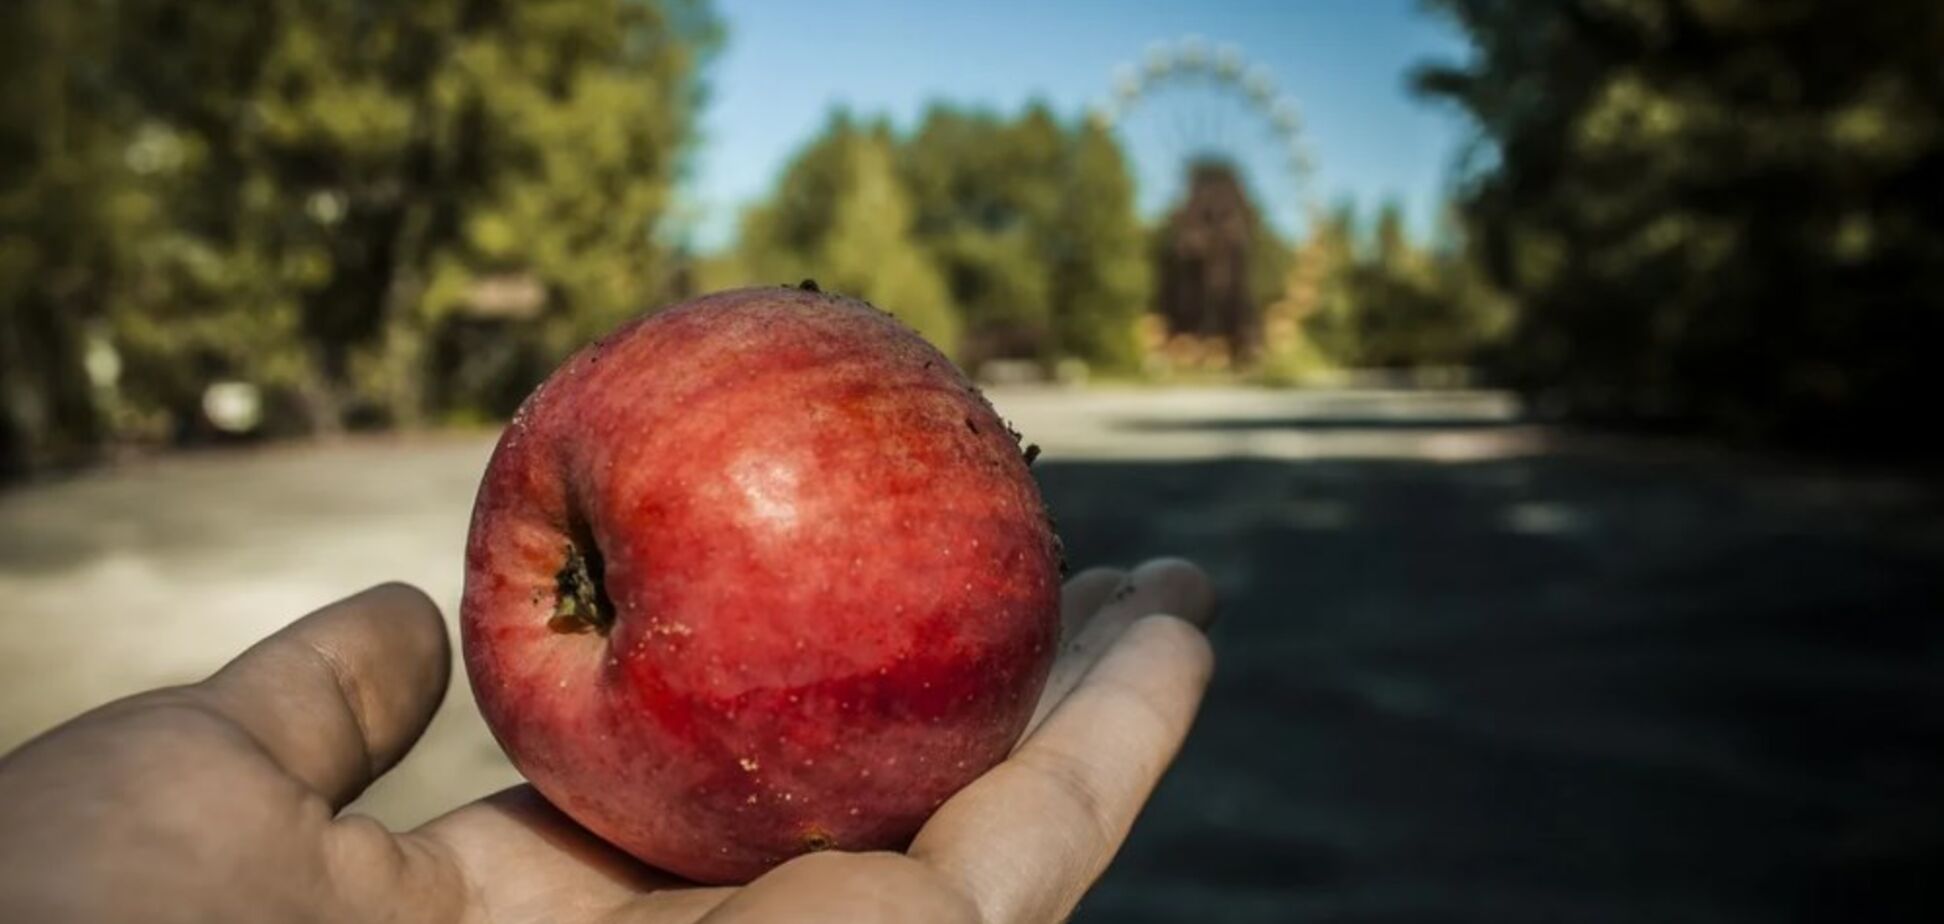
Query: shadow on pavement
{"points": [[1315, 424], [1533, 689]]}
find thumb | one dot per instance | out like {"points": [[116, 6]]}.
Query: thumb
{"points": [[337, 697]]}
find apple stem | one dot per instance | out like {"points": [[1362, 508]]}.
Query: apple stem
{"points": [[581, 603]]}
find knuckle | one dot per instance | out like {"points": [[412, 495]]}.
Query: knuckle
{"points": [[352, 693], [1143, 715], [1073, 790]]}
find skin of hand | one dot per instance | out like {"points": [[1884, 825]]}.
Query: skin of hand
{"points": [[221, 801]]}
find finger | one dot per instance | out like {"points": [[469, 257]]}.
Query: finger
{"points": [[1083, 595], [517, 853], [1163, 585], [1027, 839], [833, 887], [337, 697]]}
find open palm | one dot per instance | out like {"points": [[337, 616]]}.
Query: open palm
{"points": [[221, 801]]}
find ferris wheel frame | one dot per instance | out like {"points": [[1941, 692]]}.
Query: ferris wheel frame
{"points": [[1170, 64]]}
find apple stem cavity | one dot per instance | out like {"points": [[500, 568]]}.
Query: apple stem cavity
{"points": [[581, 603]]}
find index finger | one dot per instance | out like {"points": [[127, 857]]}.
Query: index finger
{"points": [[1094, 615], [1027, 839]]}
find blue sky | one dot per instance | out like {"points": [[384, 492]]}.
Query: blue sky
{"points": [[1344, 62]]}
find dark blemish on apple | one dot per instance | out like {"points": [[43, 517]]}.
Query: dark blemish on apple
{"points": [[581, 602], [816, 839], [969, 425], [809, 285], [1032, 452]]}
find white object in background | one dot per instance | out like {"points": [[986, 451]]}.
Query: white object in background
{"points": [[233, 407]]}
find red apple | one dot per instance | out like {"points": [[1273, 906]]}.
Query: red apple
{"points": [[757, 575]]}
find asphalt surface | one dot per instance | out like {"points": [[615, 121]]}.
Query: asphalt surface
{"points": [[1471, 669]]}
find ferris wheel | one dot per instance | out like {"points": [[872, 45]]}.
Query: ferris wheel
{"points": [[1188, 101]]}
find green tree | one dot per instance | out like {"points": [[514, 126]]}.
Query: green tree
{"points": [[841, 216], [1385, 300], [986, 189], [1331, 314], [996, 237], [1032, 223], [369, 165], [307, 194], [66, 208], [1725, 213], [1101, 281]]}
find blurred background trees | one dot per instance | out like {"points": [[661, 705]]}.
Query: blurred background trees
{"points": [[308, 216], [997, 237], [1386, 301], [842, 216], [65, 207], [1728, 213], [368, 213]]}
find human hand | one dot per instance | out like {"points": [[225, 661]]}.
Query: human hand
{"points": [[221, 801]]}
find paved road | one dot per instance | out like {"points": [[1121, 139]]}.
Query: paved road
{"points": [[1472, 669]]}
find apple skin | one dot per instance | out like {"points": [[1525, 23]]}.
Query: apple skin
{"points": [[756, 575]]}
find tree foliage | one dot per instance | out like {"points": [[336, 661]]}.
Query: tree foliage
{"points": [[306, 194], [1385, 301], [1100, 279], [987, 189], [841, 216], [63, 195], [997, 237], [1729, 212]]}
